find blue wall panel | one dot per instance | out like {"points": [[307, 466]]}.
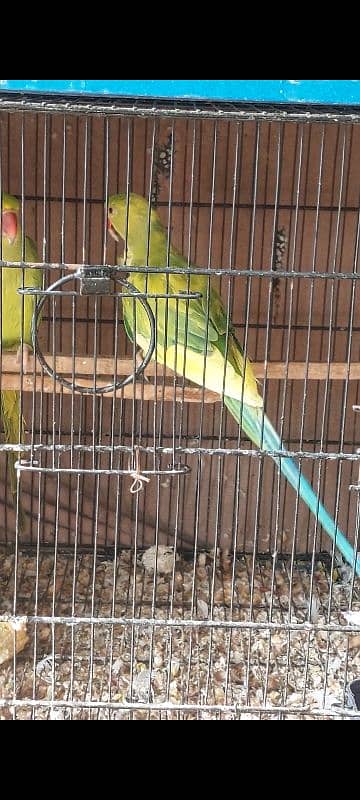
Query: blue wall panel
{"points": [[332, 92]]}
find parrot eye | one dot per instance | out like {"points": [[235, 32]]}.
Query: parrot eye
{"points": [[110, 210]]}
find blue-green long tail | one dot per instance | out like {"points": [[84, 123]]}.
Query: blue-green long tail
{"points": [[259, 429]]}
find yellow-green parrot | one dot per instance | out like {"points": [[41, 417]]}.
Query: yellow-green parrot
{"points": [[15, 317], [195, 339]]}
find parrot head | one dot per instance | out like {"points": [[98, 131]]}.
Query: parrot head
{"points": [[10, 208], [129, 220]]}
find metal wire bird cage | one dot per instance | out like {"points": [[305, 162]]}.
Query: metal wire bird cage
{"points": [[166, 570]]}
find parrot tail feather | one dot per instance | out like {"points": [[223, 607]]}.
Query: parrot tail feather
{"points": [[14, 430], [259, 429]]}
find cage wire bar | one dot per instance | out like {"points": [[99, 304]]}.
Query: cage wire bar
{"points": [[165, 570]]}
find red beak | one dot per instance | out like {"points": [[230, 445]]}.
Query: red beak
{"points": [[9, 225], [112, 231]]}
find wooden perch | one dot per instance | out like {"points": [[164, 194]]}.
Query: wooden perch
{"points": [[83, 367]]}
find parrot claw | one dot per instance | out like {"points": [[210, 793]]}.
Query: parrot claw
{"points": [[24, 356]]}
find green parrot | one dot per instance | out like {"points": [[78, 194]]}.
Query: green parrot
{"points": [[195, 339], [15, 315]]}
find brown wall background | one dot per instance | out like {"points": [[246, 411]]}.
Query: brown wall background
{"points": [[232, 186]]}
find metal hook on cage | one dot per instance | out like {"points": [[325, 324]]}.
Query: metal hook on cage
{"points": [[91, 275]]}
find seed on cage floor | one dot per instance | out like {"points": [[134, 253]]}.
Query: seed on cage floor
{"points": [[141, 687], [354, 642], [117, 666], [226, 561], [352, 617], [295, 699], [322, 640], [59, 713], [43, 633], [274, 682], [143, 656], [314, 609], [278, 644], [175, 667], [201, 574], [345, 573], [13, 637], [84, 578], [324, 700], [44, 668], [224, 593], [214, 553], [202, 608], [159, 558]]}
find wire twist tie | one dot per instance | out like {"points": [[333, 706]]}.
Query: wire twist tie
{"points": [[138, 478]]}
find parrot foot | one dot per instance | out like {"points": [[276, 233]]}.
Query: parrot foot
{"points": [[24, 356]]}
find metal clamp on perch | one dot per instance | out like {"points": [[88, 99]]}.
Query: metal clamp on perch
{"points": [[95, 282]]}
